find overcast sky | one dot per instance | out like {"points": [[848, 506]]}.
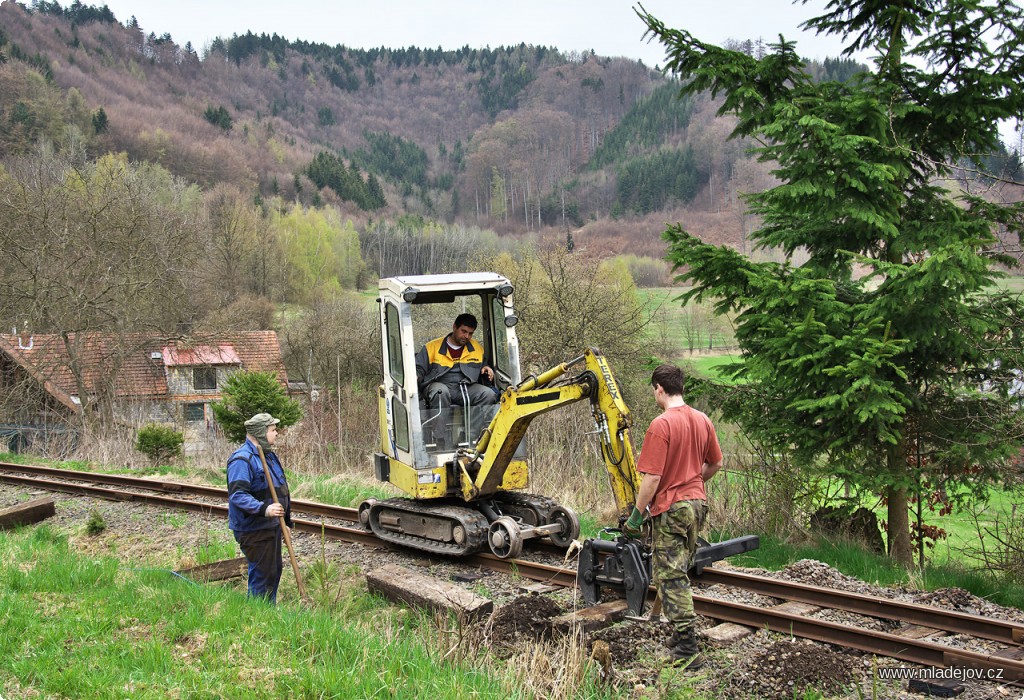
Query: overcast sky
{"points": [[609, 27]]}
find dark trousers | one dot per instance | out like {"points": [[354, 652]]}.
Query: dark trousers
{"points": [[441, 395], [263, 550]]}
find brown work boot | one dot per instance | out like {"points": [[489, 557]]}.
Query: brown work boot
{"points": [[684, 652]]}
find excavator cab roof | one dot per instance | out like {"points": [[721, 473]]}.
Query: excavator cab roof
{"points": [[439, 289]]}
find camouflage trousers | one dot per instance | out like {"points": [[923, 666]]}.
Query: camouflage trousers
{"points": [[675, 544]]}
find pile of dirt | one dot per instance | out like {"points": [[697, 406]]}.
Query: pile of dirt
{"points": [[786, 668], [526, 617], [629, 641]]}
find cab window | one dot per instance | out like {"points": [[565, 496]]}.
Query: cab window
{"points": [[500, 354], [395, 367]]}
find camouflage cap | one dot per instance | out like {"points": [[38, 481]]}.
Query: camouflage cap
{"points": [[260, 422]]}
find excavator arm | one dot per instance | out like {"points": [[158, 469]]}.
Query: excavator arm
{"points": [[482, 469]]}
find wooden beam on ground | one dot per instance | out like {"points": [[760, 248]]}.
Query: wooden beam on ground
{"points": [[796, 608], [940, 688], [217, 571], [594, 617], [27, 513], [538, 588], [918, 632], [404, 586]]}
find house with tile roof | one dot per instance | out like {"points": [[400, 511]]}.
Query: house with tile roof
{"points": [[48, 381]]}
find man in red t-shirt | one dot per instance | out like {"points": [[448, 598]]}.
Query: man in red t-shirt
{"points": [[680, 452]]}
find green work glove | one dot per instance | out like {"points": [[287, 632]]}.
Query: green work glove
{"points": [[631, 528]]}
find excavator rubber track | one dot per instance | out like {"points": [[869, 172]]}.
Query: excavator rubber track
{"points": [[432, 528], [529, 507]]}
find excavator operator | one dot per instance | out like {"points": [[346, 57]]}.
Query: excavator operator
{"points": [[449, 369]]}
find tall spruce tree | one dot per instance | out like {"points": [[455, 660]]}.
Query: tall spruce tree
{"points": [[887, 356]]}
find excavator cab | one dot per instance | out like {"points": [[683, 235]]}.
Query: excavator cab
{"points": [[419, 442]]}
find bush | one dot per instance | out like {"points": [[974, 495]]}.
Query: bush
{"points": [[247, 393], [159, 442], [97, 524]]}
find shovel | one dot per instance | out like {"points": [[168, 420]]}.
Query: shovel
{"points": [[284, 528]]}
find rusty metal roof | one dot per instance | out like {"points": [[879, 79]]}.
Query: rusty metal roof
{"points": [[201, 355]]}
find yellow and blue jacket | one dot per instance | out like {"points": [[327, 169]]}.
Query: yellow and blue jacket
{"points": [[435, 364]]}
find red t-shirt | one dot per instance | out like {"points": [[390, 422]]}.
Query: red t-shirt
{"points": [[677, 445]]}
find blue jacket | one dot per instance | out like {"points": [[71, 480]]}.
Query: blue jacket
{"points": [[248, 494]]}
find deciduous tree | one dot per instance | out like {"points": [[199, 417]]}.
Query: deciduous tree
{"points": [[95, 247]]}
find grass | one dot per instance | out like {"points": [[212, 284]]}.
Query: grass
{"points": [[712, 366], [961, 527], [694, 326], [336, 490], [1011, 284], [90, 627], [212, 551]]}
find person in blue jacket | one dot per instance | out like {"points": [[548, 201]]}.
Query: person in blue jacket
{"points": [[253, 516]]}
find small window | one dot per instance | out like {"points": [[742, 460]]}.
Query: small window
{"points": [[204, 378], [401, 417], [195, 412]]}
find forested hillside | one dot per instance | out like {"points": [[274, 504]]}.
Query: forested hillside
{"points": [[519, 139]]}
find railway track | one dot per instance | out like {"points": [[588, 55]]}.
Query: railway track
{"points": [[1005, 665]]}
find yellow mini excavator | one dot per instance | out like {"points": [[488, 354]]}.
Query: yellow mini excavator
{"points": [[464, 468]]}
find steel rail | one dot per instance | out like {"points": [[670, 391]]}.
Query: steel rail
{"points": [[350, 534], [532, 570], [311, 507], [1004, 631], [535, 571]]}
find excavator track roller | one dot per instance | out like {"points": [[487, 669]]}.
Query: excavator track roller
{"points": [[364, 512]]}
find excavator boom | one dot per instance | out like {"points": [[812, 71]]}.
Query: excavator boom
{"points": [[484, 469]]}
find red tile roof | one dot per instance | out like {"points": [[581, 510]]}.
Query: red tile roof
{"points": [[135, 362]]}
